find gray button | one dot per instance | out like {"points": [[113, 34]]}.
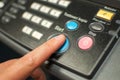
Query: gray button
{"points": [[96, 27], [13, 10], [5, 19], [22, 2], [118, 21]]}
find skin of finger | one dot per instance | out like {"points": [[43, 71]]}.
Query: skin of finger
{"points": [[38, 74], [27, 64], [5, 65]]}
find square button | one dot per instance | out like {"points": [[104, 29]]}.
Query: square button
{"points": [[36, 19], [45, 9], [27, 15], [2, 4], [35, 6], [55, 13], [27, 30], [104, 14], [37, 35], [64, 3], [46, 23], [53, 1]]}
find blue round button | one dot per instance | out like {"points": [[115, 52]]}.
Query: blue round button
{"points": [[72, 25], [64, 47]]}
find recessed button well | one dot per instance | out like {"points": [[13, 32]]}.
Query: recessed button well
{"points": [[85, 43], [64, 47], [72, 25], [96, 27]]}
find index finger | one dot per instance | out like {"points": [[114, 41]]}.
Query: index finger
{"points": [[25, 65]]}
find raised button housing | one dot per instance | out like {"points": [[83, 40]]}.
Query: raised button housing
{"points": [[96, 27], [85, 42], [72, 25], [105, 14], [27, 30]]}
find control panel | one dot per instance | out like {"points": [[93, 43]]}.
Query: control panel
{"points": [[91, 30]]}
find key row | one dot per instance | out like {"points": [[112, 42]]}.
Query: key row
{"points": [[37, 20], [62, 3], [46, 9], [29, 31]]}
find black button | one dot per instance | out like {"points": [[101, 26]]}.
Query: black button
{"points": [[22, 2], [13, 10], [96, 27], [5, 19], [118, 21]]}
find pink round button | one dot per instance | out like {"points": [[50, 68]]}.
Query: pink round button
{"points": [[85, 42]]}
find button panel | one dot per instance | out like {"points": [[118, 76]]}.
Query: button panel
{"points": [[89, 35]]}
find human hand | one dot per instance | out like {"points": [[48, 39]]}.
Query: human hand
{"points": [[28, 65]]}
